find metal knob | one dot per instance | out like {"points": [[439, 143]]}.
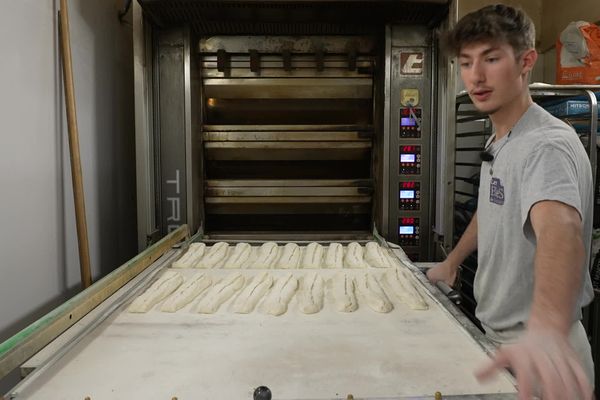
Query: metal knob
{"points": [[262, 393]]}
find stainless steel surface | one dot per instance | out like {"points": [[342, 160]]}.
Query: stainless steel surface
{"points": [[296, 237], [287, 128], [434, 116], [198, 215], [288, 88], [277, 44], [144, 128], [292, 200], [286, 151], [287, 191], [285, 136], [447, 157], [191, 159], [412, 42], [411, 36], [386, 227], [295, 182], [173, 125]]}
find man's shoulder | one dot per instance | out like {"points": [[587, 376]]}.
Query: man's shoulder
{"points": [[547, 130]]}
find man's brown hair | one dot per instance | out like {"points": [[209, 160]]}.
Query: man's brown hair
{"points": [[496, 23]]}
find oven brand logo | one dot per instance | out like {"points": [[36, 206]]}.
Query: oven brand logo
{"points": [[496, 191], [411, 63]]}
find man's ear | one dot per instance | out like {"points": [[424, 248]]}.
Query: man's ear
{"points": [[528, 60]]}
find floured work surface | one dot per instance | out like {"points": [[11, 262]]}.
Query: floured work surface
{"points": [[226, 355]]}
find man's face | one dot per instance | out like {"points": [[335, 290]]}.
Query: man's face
{"points": [[492, 75]]}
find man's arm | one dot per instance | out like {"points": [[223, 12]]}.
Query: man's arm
{"points": [[543, 357], [558, 265], [446, 270]]}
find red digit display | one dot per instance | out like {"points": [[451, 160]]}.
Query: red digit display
{"points": [[407, 221]]}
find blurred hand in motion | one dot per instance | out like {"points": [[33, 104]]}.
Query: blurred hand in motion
{"points": [[544, 364]]}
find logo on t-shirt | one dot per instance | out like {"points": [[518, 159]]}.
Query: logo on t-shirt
{"points": [[496, 191]]}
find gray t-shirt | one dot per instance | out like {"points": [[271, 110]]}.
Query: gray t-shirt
{"points": [[541, 159]]}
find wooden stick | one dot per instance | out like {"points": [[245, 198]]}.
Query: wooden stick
{"points": [[76, 175]]}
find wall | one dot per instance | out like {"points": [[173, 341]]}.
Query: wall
{"points": [[39, 262], [555, 20]]}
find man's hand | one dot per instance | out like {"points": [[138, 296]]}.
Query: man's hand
{"points": [[444, 272], [544, 363]]}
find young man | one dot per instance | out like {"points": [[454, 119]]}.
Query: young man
{"points": [[533, 227]]}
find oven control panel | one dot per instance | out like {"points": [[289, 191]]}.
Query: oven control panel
{"points": [[409, 195], [409, 231], [410, 122], [410, 160]]}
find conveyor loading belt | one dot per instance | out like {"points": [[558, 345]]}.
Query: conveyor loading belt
{"points": [[402, 354]]}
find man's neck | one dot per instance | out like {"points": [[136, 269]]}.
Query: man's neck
{"points": [[505, 118]]}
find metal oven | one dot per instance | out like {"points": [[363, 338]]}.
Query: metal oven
{"points": [[289, 120]]}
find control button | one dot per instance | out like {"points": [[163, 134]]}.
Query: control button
{"points": [[262, 393]]}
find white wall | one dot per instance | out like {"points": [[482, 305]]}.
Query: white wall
{"points": [[39, 262]]}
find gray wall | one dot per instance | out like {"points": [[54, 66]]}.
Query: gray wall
{"points": [[39, 261]]}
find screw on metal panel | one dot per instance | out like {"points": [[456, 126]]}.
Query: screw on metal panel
{"points": [[174, 398], [87, 398], [438, 396], [350, 397]]}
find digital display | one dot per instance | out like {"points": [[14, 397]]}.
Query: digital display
{"points": [[408, 149], [407, 230], [407, 194], [408, 121], [407, 221], [407, 158], [408, 185]]}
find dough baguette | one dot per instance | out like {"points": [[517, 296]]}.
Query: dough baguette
{"points": [[335, 256], [375, 256], [399, 281], [164, 286], [344, 295], [276, 302], [289, 257], [191, 289], [311, 293], [215, 254], [267, 254], [240, 254], [312, 256], [373, 294], [252, 294], [219, 294], [191, 257], [354, 256]]}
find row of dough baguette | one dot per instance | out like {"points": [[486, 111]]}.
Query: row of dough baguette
{"points": [[208, 296], [289, 256]]}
